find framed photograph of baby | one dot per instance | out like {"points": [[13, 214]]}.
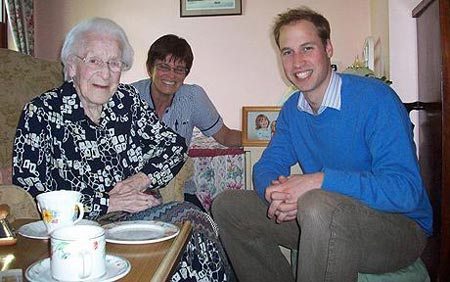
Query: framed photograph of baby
{"points": [[258, 125]]}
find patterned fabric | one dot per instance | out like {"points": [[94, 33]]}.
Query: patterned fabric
{"points": [[22, 77], [203, 259], [214, 175], [21, 17], [58, 147], [216, 168], [200, 142]]}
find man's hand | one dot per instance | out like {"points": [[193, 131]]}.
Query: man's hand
{"points": [[284, 193]]}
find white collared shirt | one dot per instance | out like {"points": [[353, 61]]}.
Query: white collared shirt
{"points": [[331, 99]]}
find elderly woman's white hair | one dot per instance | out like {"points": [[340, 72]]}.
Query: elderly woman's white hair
{"points": [[74, 40]]}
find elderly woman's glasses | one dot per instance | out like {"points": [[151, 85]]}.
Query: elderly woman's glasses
{"points": [[95, 63], [166, 68]]}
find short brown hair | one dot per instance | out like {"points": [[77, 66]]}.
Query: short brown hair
{"points": [[303, 14], [172, 45]]}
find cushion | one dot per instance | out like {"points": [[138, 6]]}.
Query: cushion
{"points": [[416, 272], [174, 190]]}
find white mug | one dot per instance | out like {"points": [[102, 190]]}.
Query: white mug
{"points": [[78, 253], [60, 208]]}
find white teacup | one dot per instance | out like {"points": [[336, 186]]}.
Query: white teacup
{"points": [[78, 253], [60, 208]]}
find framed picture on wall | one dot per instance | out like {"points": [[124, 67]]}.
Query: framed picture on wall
{"points": [[201, 8], [258, 125]]}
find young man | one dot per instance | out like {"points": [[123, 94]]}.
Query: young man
{"points": [[181, 106], [360, 205]]}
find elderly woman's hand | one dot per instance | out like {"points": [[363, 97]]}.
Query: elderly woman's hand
{"points": [[128, 195], [138, 182], [132, 201]]}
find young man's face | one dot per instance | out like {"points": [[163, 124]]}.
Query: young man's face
{"points": [[306, 62]]}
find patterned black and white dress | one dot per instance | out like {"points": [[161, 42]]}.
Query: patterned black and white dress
{"points": [[58, 147]]}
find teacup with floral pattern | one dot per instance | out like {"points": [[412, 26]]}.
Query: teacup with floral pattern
{"points": [[60, 208], [78, 253]]}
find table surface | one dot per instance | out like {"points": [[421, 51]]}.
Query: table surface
{"points": [[149, 262]]}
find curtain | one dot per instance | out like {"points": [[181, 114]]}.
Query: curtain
{"points": [[20, 13]]}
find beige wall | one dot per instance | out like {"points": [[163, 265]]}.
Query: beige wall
{"points": [[235, 58], [380, 33]]}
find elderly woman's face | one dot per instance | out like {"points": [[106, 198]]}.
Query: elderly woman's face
{"points": [[96, 84]]}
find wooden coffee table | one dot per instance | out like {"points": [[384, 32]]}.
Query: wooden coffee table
{"points": [[149, 262]]}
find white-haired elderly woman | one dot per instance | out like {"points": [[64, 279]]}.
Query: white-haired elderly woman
{"points": [[95, 135]]}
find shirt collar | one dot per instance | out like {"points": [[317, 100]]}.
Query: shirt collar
{"points": [[331, 99]]}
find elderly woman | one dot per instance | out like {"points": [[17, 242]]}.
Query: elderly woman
{"points": [[95, 135]]}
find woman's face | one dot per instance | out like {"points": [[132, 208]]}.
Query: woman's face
{"points": [[167, 76], [95, 85]]}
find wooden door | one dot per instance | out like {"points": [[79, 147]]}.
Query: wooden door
{"points": [[433, 24]]}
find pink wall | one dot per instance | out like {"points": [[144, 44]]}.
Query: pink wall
{"points": [[403, 53], [235, 58]]}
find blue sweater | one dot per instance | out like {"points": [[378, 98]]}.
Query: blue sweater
{"points": [[365, 150]]}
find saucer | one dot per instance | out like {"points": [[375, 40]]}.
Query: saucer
{"points": [[37, 229], [139, 232], [116, 268]]}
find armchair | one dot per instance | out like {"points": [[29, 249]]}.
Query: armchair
{"points": [[22, 77]]}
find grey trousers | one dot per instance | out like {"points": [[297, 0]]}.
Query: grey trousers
{"points": [[336, 237]]}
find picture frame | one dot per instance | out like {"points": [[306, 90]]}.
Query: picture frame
{"points": [[258, 125], [202, 8]]}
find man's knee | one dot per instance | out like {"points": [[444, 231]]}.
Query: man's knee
{"points": [[314, 201], [221, 202], [319, 207], [229, 202]]}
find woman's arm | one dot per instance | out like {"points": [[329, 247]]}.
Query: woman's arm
{"points": [[163, 149], [31, 151], [228, 137]]}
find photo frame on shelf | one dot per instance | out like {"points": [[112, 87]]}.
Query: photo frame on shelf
{"points": [[258, 125], [202, 8]]}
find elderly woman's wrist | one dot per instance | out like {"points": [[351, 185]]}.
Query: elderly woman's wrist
{"points": [[145, 181]]}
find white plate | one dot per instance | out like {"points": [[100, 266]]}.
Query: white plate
{"points": [[139, 232], [37, 229], [116, 268]]}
